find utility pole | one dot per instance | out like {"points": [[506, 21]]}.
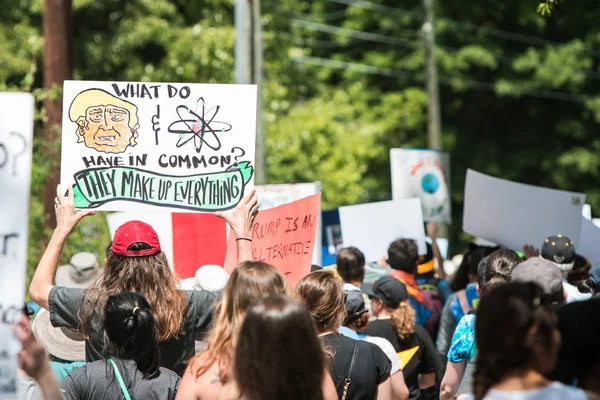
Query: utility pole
{"points": [[261, 170], [434, 119], [242, 42], [57, 69]]}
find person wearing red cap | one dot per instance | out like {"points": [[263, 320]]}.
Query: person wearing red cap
{"points": [[134, 264]]}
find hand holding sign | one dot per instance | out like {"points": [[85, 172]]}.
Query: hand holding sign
{"points": [[241, 218], [66, 214]]}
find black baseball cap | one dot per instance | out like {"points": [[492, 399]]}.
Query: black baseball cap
{"points": [[387, 289], [559, 249], [355, 304]]}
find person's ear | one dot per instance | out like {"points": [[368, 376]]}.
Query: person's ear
{"points": [[478, 289]]}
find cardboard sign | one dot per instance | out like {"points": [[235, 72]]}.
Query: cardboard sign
{"points": [[514, 214], [424, 174], [274, 195], [372, 227], [129, 146], [16, 141], [189, 241], [283, 236]]}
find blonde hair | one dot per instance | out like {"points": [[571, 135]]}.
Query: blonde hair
{"points": [[250, 281], [403, 320], [98, 97]]}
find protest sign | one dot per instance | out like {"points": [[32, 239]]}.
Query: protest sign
{"points": [[589, 240], [129, 146], [16, 140], [424, 174], [283, 236], [274, 195], [189, 241], [514, 214], [372, 227]]}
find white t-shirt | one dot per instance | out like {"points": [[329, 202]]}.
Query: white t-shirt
{"points": [[554, 391], [388, 349]]}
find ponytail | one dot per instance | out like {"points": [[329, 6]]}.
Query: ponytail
{"points": [[403, 320], [131, 332]]}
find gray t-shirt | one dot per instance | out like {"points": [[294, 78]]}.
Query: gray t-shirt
{"points": [[554, 391], [174, 353], [96, 381]]}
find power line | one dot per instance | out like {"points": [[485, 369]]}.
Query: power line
{"points": [[450, 81], [378, 38], [502, 34]]}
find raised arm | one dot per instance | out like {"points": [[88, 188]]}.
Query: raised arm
{"points": [[66, 219], [241, 220], [432, 233]]}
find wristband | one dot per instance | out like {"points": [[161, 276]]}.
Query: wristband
{"points": [[244, 238]]}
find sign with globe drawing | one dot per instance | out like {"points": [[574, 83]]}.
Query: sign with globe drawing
{"points": [[424, 174]]}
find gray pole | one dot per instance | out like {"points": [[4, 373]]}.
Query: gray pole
{"points": [[261, 172], [242, 42], [434, 119]]}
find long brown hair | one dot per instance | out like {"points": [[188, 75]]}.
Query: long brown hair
{"points": [[403, 320], [279, 339], [504, 318], [149, 276], [321, 292], [250, 281]]}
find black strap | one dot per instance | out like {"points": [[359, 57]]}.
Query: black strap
{"points": [[349, 379]]}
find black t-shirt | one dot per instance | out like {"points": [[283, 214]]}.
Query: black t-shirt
{"points": [[424, 360], [174, 353], [370, 368], [96, 381]]}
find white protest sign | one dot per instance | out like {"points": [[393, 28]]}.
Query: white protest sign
{"points": [[129, 146], [589, 241], [372, 227], [274, 195], [424, 174], [16, 139], [514, 214]]}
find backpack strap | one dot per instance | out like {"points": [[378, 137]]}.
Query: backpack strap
{"points": [[349, 379], [461, 295], [120, 380]]}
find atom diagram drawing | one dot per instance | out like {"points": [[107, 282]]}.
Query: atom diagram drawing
{"points": [[198, 126]]}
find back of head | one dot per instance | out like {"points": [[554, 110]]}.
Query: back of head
{"points": [[350, 263], [505, 318], [543, 273], [250, 281], [321, 293], [468, 266], [131, 331], [278, 354], [137, 264], [496, 269], [403, 255]]}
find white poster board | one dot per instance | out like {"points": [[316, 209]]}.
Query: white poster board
{"points": [[274, 195], [514, 214], [372, 227], [424, 174], [589, 241], [16, 140], [129, 146]]}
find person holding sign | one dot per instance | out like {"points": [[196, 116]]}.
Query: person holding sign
{"points": [[135, 263]]}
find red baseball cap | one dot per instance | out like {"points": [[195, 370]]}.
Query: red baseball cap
{"points": [[135, 232]]}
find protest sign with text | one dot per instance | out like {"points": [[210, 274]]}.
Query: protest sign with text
{"points": [[16, 140], [514, 214], [283, 236], [424, 174], [143, 146], [274, 195], [372, 227]]}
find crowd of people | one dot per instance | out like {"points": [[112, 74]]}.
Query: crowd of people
{"points": [[504, 326]]}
